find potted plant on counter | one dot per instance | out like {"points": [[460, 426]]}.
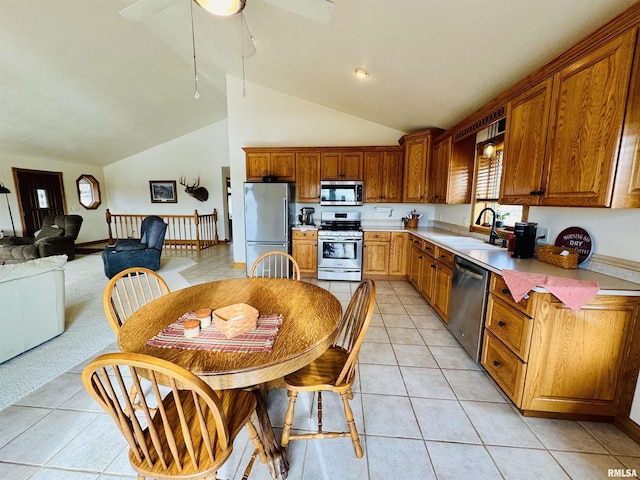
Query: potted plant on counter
{"points": [[500, 216]]}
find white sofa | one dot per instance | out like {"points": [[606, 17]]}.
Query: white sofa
{"points": [[31, 304]]}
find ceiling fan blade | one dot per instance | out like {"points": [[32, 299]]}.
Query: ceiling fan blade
{"points": [[317, 10], [143, 9]]}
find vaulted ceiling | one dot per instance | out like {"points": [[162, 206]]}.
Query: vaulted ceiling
{"points": [[81, 83]]}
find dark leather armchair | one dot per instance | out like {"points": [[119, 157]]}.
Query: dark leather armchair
{"points": [[133, 252], [56, 237]]}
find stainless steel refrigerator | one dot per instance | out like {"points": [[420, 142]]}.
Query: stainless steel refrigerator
{"points": [[269, 214]]}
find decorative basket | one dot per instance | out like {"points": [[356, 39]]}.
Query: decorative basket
{"points": [[235, 319], [551, 254]]}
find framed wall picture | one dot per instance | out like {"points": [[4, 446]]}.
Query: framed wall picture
{"points": [[163, 191]]}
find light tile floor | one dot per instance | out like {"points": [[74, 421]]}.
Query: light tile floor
{"points": [[423, 408]]}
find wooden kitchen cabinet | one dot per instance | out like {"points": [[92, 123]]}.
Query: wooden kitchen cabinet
{"points": [[304, 248], [450, 175], [438, 175], [308, 177], [341, 166], [551, 360], [431, 273], [575, 154], [263, 162], [375, 257], [417, 155], [383, 175], [399, 253]]}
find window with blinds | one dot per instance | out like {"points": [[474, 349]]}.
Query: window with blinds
{"points": [[488, 180]]}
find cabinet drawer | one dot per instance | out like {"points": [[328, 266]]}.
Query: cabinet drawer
{"points": [[377, 236], [499, 288], [429, 248], [444, 256], [417, 242], [504, 367], [509, 325], [304, 234]]}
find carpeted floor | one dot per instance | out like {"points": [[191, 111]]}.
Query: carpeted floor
{"points": [[86, 329]]}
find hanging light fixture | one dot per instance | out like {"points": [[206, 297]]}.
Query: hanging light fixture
{"points": [[490, 147], [5, 191], [223, 8]]}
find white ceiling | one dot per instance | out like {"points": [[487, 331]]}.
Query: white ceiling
{"points": [[79, 82]]}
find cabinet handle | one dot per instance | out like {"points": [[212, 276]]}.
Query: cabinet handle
{"points": [[433, 265], [536, 192], [419, 256], [496, 363], [505, 290], [501, 323]]}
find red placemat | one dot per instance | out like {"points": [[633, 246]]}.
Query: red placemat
{"points": [[210, 338]]}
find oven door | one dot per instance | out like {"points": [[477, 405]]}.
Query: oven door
{"points": [[340, 253]]}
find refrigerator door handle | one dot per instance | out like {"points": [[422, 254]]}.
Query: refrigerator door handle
{"points": [[286, 217]]}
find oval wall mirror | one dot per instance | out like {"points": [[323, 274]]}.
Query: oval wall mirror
{"points": [[88, 192]]}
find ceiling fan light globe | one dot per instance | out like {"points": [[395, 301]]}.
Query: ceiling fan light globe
{"points": [[222, 8]]}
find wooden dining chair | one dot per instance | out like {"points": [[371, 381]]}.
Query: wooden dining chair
{"points": [[192, 432], [129, 290], [334, 370], [275, 265]]}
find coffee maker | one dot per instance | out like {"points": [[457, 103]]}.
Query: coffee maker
{"points": [[525, 239], [306, 216]]}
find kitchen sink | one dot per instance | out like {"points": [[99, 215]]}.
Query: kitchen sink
{"points": [[464, 243]]}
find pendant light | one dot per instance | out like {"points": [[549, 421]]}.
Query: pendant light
{"points": [[490, 147]]}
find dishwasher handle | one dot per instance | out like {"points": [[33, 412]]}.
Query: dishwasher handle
{"points": [[469, 269]]}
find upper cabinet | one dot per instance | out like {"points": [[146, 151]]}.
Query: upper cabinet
{"points": [[270, 162], [417, 155], [450, 171], [341, 165], [383, 175], [562, 139], [308, 177]]}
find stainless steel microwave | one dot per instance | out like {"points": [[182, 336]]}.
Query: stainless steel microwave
{"points": [[341, 192]]}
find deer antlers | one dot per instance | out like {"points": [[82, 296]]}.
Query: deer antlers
{"points": [[195, 190]]}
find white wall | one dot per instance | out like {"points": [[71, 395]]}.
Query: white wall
{"points": [[93, 227], [201, 153], [265, 117]]}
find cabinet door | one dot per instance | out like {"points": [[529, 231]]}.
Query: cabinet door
{"points": [[308, 177], [587, 110], [258, 166], [398, 253], [427, 276], [392, 177], [415, 267], [525, 138], [283, 166], [439, 172], [330, 166], [415, 165], [306, 254], [373, 176], [352, 166], [375, 258], [578, 361], [441, 294]]}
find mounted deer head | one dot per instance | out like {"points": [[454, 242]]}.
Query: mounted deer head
{"points": [[195, 190]]}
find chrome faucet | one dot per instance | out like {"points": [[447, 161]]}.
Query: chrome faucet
{"points": [[493, 235]]}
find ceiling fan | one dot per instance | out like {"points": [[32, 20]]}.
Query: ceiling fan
{"points": [[318, 10]]}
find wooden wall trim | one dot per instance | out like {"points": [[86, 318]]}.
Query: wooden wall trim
{"points": [[628, 426]]}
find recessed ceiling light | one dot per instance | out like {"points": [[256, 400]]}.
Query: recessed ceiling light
{"points": [[361, 73]]}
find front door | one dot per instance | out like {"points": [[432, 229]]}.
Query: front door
{"points": [[39, 194]]}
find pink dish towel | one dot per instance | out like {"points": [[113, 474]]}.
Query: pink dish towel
{"points": [[573, 293]]}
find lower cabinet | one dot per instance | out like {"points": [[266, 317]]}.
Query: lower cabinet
{"points": [[304, 249], [385, 253], [549, 359], [430, 271]]}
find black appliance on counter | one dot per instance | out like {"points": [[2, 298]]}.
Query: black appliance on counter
{"points": [[525, 239]]}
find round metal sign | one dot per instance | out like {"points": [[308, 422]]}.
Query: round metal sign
{"points": [[577, 239]]}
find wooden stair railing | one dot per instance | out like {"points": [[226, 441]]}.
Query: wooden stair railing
{"points": [[183, 231]]}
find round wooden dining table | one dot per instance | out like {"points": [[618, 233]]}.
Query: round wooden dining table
{"points": [[310, 317]]}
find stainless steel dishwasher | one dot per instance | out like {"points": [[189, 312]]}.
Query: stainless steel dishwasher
{"points": [[467, 305]]}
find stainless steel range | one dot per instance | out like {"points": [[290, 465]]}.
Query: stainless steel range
{"points": [[340, 246]]}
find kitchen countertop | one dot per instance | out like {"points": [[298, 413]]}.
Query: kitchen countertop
{"points": [[495, 259]]}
